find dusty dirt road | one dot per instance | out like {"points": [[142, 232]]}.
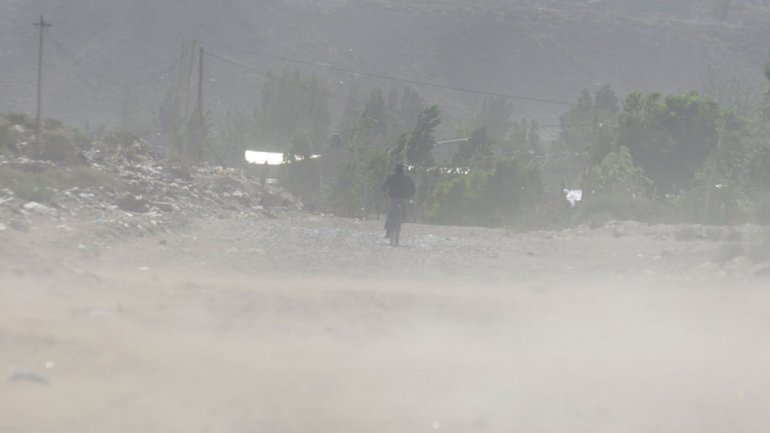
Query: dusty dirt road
{"points": [[313, 324]]}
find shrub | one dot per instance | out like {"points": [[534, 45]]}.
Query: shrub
{"points": [[8, 135], [25, 185], [25, 121], [39, 186], [600, 209], [81, 177], [57, 146]]}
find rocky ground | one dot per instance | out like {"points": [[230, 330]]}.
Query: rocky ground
{"points": [[196, 305]]}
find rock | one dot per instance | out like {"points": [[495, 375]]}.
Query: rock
{"points": [[28, 376], [134, 203], [165, 207], [37, 207]]}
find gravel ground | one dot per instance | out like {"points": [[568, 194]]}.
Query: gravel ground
{"points": [[311, 323]]}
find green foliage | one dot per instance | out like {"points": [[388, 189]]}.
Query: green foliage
{"points": [[599, 209], [355, 188], [406, 106], [515, 189], [26, 185], [21, 119], [233, 134], [606, 101], [731, 93], [580, 124], [302, 177], [523, 139], [416, 146], [293, 106], [719, 195], [577, 124], [39, 186], [669, 138], [374, 120], [510, 193], [57, 146], [495, 116], [478, 152], [616, 175], [8, 135], [460, 200]]}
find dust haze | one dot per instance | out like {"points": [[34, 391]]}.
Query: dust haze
{"points": [[213, 331], [587, 250]]}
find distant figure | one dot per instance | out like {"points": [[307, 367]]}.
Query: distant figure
{"points": [[399, 189]]}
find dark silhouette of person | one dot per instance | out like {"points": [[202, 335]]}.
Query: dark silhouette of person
{"points": [[399, 188]]}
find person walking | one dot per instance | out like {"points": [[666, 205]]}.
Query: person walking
{"points": [[399, 188]]}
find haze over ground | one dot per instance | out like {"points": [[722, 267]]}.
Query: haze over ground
{"points": [[141, 291]]}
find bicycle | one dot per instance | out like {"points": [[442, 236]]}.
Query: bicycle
{"points": [[396, 219]]}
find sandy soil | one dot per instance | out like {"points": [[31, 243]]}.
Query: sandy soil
{"points": [[314, 324]]}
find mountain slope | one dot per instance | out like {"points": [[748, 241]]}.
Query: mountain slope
{"points": [[106, 58]]}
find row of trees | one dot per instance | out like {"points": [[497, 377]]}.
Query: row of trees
{"points": [[648, 156]]}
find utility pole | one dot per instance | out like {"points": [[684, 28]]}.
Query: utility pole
{"points": [[38, 123], [199, 133]]}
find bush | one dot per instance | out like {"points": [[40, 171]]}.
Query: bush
{"points": [[599, 209], [21, 119], [26, 185], [57, 146], [458, 200], [8, 135], [303, 179], [39, 186], [82, 177]]}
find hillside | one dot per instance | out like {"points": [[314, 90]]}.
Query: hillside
{"points": [[113, 61]]}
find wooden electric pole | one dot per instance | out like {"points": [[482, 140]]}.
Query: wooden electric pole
{"points": [[38, 122], [199, 130]]}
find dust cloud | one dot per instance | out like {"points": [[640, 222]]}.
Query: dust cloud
{"points": [[206, 353]]}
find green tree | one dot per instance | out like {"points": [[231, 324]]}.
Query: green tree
{"points": [[523, 139], [577, 124], [459, 199], [495, 116], [722, 185], [409, 106], [232, 135], [669, 138], [515, 189], [293, 106], [478, 152], [606, 101], [616, 175], [417, 145], [355, 188]]}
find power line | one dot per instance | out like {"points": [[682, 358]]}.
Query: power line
{"points": [[75, 62], [402, 80], [348, 98]]}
